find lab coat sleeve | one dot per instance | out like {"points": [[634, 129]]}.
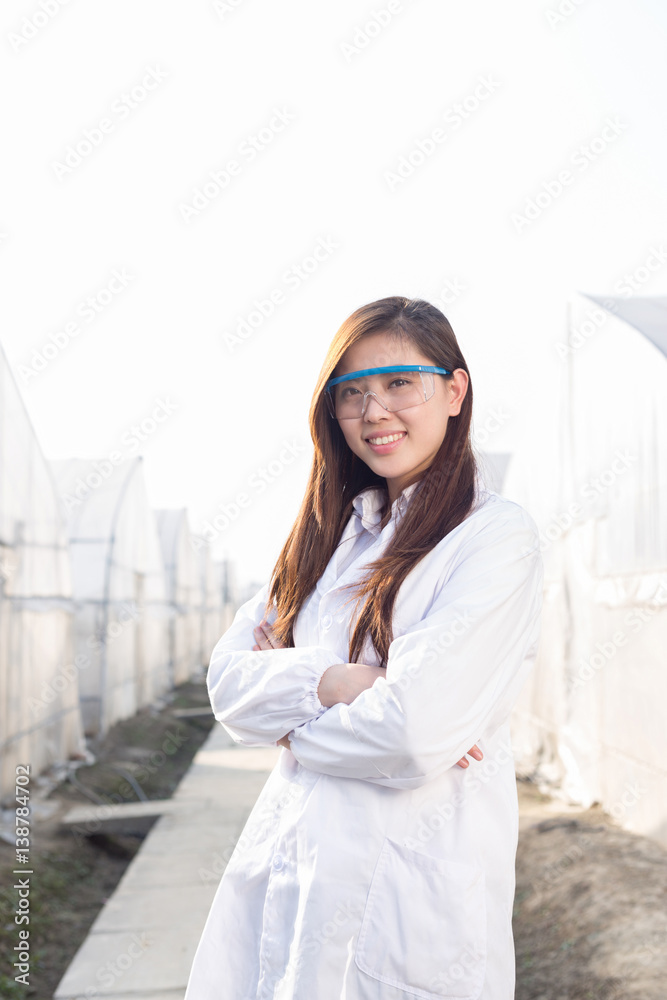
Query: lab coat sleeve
{"points": [[260, 696], [452, 678]]}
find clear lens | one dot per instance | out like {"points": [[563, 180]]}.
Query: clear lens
{"points": [[393, 390]]}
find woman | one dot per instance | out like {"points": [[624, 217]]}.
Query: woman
{"points": [[401, 622]]}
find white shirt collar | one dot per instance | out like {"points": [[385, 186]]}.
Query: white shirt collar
{"points": [[368, 503]]}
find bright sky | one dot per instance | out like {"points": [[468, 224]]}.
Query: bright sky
{"points": [[318, 106]]}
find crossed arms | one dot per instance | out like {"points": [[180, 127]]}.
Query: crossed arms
{"points": [[444, 686]]}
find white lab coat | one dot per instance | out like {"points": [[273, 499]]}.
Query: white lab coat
{"points": [[371, 866]]}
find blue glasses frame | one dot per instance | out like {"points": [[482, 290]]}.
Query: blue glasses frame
{"points": [[386, 368]]}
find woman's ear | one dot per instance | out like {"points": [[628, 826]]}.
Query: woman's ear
{"points": [[458, 386]]}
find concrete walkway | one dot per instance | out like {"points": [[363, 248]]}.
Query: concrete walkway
{"points": [[142, 943]]}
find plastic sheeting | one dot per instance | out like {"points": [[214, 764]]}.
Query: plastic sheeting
{"points": [[211, 613], [591, 720], [39, 701], [184, 593], [225, 574], [121, 616]]}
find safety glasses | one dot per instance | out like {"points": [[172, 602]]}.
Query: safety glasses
{"points": [[396, 387]]}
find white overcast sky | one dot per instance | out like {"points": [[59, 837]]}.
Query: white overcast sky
{"points": [[548, 84]]}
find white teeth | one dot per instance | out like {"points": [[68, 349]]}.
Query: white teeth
{"points": [[386, 440]]}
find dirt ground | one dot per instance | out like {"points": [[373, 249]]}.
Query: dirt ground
{"points": [[590, 915]]}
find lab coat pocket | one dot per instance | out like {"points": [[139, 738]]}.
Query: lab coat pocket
{"points": [[424, 925]]}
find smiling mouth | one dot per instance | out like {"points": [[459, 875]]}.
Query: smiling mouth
{"points": [[386, 438]]}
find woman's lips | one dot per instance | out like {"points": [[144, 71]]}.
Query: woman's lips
{"points": [[383, 449]]}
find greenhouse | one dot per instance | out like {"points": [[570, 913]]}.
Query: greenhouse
{"points": [[590, 721], [121, 613], [211, 608], [39, 678], [184, 595]]}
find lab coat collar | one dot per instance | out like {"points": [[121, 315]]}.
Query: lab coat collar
{"points": [[367, 505]]}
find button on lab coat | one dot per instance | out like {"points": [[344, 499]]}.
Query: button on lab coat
{"points": [[372, 867]]}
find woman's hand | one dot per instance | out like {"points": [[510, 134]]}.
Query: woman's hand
{"points": [[265, 637]]}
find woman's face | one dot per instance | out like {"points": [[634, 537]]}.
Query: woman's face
{"points": [[422, 428]]}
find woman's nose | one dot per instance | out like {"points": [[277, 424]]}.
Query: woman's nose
{"points": [[373, 408]]}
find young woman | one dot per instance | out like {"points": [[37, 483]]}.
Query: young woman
{"points": [[400, 623]]}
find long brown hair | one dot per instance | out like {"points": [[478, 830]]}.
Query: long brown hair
{"points": [[443, 499]]}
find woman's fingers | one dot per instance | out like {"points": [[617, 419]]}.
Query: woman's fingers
{"points": [[261, 638], [261, 641], [474, 752], [265, 636]]}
